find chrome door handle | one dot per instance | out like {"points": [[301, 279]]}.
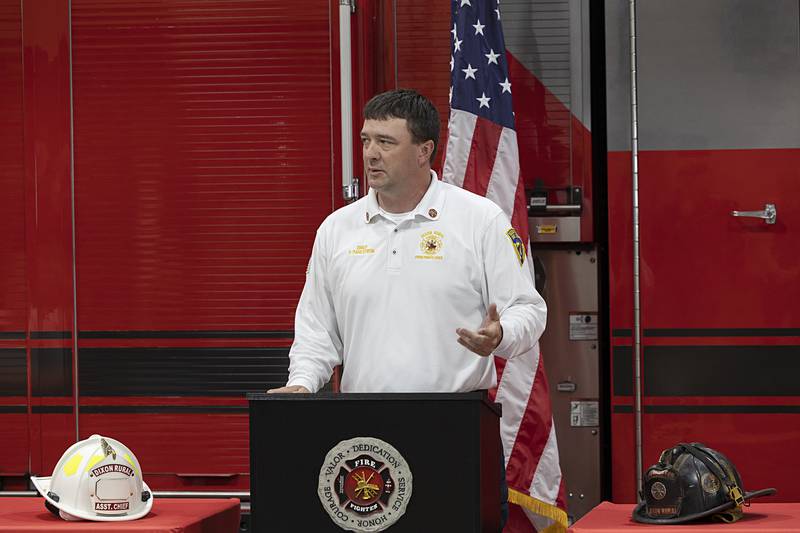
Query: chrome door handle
{"points": [[769, 214]]}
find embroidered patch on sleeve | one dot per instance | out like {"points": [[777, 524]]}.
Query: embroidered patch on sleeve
{"points": [[519, 246]]}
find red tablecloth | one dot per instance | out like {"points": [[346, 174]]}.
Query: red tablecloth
{"points": [[761, 517], [167, 515]]}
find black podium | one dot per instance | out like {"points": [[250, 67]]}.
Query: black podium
{"points": [[449, 443]]}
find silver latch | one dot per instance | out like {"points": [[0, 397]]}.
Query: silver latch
{"points": [[566, 386], [769, 214]]}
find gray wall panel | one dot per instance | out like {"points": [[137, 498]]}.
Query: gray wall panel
{"points": [[618, 100], [715, 74], [551, 39], [538, 34]]}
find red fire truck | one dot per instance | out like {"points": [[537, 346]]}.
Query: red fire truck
{"points": [[164, 166]]}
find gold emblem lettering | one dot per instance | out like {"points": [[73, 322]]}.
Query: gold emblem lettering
{"points": [[361, 249], [431, 245]]}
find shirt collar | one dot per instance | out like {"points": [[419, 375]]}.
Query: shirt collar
{"points": [[429, 207]]}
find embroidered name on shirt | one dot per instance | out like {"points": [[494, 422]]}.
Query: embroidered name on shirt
{"points": [[431, 245], [361, 249]]}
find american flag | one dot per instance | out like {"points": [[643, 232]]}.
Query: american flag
{"points": [[482, 156]]}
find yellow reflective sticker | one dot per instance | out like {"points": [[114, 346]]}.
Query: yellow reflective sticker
{"points": [[519, 246], [130, 461], [93, 461], [71, 466], [546, 229]]}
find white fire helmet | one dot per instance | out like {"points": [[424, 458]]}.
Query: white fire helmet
{"points": [[96, 479]]}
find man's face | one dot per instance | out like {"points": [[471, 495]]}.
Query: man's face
{"points": [[391, 158]]}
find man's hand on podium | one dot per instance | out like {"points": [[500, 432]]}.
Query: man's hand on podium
{"points": [[289, 390]]}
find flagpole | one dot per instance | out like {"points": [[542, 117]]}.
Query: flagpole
{"points": [[637, 340], [349, 181]]}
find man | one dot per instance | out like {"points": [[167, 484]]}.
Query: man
{"points": [[398, 280]]}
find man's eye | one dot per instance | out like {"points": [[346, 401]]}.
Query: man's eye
{"points": [[386, 142]]}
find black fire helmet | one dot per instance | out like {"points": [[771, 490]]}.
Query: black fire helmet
{"points": [[692, 481]]}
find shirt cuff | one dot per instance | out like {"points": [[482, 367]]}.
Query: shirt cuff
{"points": [[305, 382], [504, 348]]}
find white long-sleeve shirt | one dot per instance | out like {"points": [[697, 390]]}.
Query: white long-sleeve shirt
{"points": [[385, 298]]}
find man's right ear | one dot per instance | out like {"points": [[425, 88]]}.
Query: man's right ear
{"points": [[425, 152]]}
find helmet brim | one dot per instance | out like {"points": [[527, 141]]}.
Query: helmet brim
{"points": [[42, 484], [640, 512]]}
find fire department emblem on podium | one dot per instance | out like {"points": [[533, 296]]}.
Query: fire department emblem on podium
{"points": [[364, 484]]}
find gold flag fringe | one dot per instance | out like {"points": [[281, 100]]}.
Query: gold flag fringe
{"points": [[547, 510]]}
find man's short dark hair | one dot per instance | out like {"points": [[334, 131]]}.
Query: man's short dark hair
{"points": [[419, 113]]}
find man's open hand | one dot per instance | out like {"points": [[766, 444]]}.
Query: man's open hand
{"points": [[487, 338]]}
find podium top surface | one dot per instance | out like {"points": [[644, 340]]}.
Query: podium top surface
{"points": [[378, 397]]}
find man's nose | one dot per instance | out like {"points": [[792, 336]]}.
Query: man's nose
{"points": [[370, 150]]}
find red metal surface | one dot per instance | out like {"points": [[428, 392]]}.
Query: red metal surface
{"points": [[620, 239], [385, 71], [203, 165], [48, 228], [48, 205], [51, 435], [178, 450], [13, 305], [14, 455], [423, 56], [13, 299], [201, 451], [197, 208], [623, 475], [760, 445], [757, 444], [702, 268]]}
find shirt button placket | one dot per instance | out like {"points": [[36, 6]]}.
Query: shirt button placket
{"points": [[394, 261]]}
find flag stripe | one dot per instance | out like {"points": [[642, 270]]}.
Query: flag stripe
{"points": [[505, 178], [520, 217], [542, 486], [518, 521], [482, 156], [533, 433], [513, 392], [499, 366], [459, 142]]}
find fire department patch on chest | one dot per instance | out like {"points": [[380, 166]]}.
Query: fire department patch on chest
{"points": [[364, 484], [430, 244], [519, 246]]}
